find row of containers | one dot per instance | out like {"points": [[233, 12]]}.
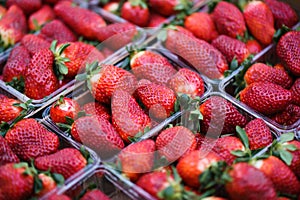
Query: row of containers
{"points": [[103, 172]]}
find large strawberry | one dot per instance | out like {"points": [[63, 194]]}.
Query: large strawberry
{"points": [[228, 19], [28, 6], [94, 195], [9, 109], [98, 109], [287, 50], [6, 154], [260, 21], [289, 116], [136, 12], [295, 89], [152, 66], [40, 18], [34, 43], [66, 162], [28, 139], [265, 97]]}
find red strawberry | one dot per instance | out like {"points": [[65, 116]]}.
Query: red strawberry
{"points": [[158, 99], [6, 154], [205, 30], [28, 6], [12, 26], [156, 20], [84, 22], [188, 82], [16, 64], [64, 107], [28, 139], [137, 158], [127, 116], [40, 18], [175, 142], [92, 131], [265, 97], [262, 72], [136, 12], [56, 30], [289, 116], [48, 184], [253, 46], [8, 110], [94, 195], [228, 19], [260, 21], [283, 13], [231, 48], [167, 7], [15, 184], [295, 90], [191, 166], [295, 165], [98, 109], [152, 66], [249, 183], [220, 116], [111, 7], [59, 197], [287, 50], [66, 162], [283, 178], [34, 43]]}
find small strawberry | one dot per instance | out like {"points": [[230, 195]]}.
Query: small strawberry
{"points": [[6, 154], [9, 109], [66, 162], [98, 109], [48, 184], [265, 97], [169, 7], [289, 116], [156, 20], [111, 7], [136, 12], [34, 43], [94, 195], [28, 6], [295, 90], [253, 46], [59, 197], [40, 18]]}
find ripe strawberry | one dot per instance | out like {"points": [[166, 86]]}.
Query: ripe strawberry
{"points": [[136, 12], [62, 108], [6, 154], [249, 183], [295, 90], [84, 22], [94, 195], [287, 51], [158, 99], [137, 158], [15, 184], [283, 178], [40, 18], [152, 66], [28, 6], [253, 46], [16, 64], [56, 30], [34, 43], [59, 197], [205, 30], [261, 72], [167, 7], [283, 13], [188, 82], [111, 7], [220, 116], [289, 116], [265, 97], [66, 162], [48, 184], [9, 110], [191, 166], [92, 131], [228, 19], [127, 116], [231, 48], [175, 142], [98, 109], [12, 26], [156, 20], [260, 21]]}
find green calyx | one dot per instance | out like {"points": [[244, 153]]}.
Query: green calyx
{"points": [[60, 101], [17, 83], [90, 70], [60, 68], [141, 3], [280, 32], [86, 154]]}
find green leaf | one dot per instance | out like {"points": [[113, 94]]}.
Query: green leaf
{"points": [[53, 46], [20, 165], [126, 63], [286, 156], [290, 147], [69, 120], [63, 69], [38, 184], [238, 153], [234, 64], [243, 136], [286, 137], [62, 48], [58, 178], [81, 77]]}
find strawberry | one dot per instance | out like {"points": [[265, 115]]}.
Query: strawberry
{"points": [[12, 26], [34, 43], [289, 116], [168, 7], [220, 116], [175, 142], [205, 30], [265, 97], [48, 184], [40, 18], [249, 183], [156, 20], [136, 12], [9, 109], [231, 48], [127, 116], [283, 178], [283, 13], [84, 22], [63, 108], [28, 6], [66, 162], [287, 51], [295, 90], [56, 30], [59, 197], [98, 109], [228, 19], [188, 82], [111, 7], [15, 182], [6, 154], [260, 21], [92, 131], [16, 64], [152, 66], [137, 158], [295, 164], [262, 72], [253, 46], [94, 195], [158, 99]]}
